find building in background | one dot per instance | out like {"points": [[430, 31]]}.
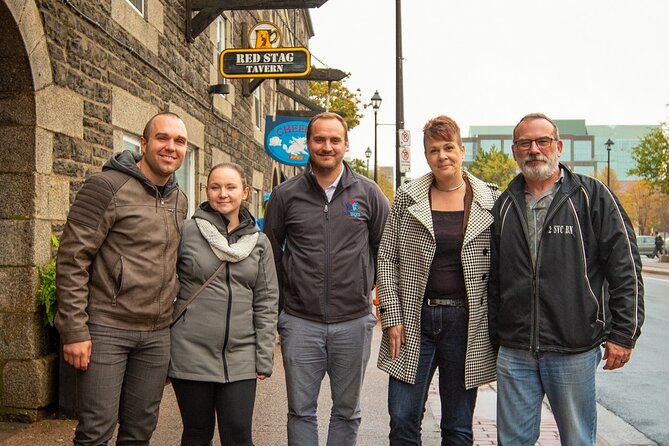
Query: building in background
{"points": [[79, 80], [583, 151]]}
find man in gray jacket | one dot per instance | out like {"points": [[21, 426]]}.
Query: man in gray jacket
{"points": [[325, 226], [116, 279]]}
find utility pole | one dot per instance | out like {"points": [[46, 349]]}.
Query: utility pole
{"points": [[399, 80]]}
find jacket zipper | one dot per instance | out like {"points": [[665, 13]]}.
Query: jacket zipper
{"points": [[227, 323], [534, 323], [167, 237], [326, 211], [120, 286]]}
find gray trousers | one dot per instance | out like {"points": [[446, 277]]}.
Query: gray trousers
{"points": [[311, 349], [124, 382]]}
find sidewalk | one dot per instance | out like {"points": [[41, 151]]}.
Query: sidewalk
{"points": [[270, 415]]}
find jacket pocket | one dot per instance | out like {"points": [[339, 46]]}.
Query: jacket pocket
{"points": [[119, 270]]}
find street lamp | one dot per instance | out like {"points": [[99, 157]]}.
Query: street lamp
{"points": [[368, 153], [376, 103], [608, 145]]}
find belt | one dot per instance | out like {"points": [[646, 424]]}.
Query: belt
{"points": [[446, 302]]}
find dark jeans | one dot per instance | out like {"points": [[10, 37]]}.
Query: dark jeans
{"points": [[443, 344], [232, 403]]}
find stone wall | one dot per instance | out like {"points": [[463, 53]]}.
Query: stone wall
{"points": [[77, 76]]}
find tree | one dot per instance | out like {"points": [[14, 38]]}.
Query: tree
{"points": [[614, 184], [652, 160], [360, 166], [339, 99], [386, 186], [641, 204], [493, 166]]}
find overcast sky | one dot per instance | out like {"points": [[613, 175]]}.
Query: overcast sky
{"points": [[489, 62]]}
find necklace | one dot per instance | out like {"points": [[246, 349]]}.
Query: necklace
{"points": [[451, 189]]}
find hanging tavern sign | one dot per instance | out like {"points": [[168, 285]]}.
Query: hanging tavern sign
{"points": [[265, 63]]}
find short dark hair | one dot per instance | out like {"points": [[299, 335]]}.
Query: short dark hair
{"points": [[328, 115], [149, 125], [532, 117], [442, 127]]}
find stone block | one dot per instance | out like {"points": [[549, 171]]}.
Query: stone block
{"points": [[43, 151], [24, 336], [17, 289], [17, 197], [19, 153], [30, 384], [129, 112], [60, 110], [25, 242], [52, 197], [17, 108], [39, 64]]}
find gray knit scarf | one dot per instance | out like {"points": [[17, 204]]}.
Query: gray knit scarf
{"points": [[219, 244]]}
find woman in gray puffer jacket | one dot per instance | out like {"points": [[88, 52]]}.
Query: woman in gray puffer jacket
{"points": [[225, 339]]}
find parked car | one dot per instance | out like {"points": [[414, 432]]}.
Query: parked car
{"points": [[646, 244]]}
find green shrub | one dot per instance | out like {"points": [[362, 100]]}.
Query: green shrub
{"points": [[46, 291]]}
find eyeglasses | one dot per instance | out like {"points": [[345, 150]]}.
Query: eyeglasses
{"points": [[542, 143]]}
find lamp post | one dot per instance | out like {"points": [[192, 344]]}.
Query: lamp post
{"points": [[608, 145], [376, 103], [368, 153]]}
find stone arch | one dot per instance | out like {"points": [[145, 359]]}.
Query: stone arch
{"points": [[32, 200]]}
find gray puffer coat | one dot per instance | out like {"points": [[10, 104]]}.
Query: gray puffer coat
{"points": [[227, 333]]}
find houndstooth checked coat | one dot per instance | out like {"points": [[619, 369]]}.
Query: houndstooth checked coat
{"points": [[404, 260]]}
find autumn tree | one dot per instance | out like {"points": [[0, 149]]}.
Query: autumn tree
{"points": [[336, 97], [493, 166], [359, 166], [644, 205], [652, 160], [614, 183]]}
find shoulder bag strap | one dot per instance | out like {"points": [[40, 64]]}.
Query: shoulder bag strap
{"points": [[196, 293]]}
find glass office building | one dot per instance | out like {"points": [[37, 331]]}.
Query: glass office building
{"points": [[583, 145]]}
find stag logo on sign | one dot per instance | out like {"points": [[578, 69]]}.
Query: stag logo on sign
{"points": [[286, 140]]}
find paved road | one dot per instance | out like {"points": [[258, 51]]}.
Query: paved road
{"points": [[638, 393]]}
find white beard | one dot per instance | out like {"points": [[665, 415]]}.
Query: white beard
{"points": [[539, 171]]}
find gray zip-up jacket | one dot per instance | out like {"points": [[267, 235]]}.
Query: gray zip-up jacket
{"points": [[116, 265], [227, 332], [325, 253]]}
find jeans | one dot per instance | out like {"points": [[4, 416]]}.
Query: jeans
{"points": [[443, 344], [568, 380], [124, 382], [311, 349], [202, 403]]}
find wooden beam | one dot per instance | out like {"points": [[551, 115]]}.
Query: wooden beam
{"points": [[256, 4], [311, 105], [210, 9]]}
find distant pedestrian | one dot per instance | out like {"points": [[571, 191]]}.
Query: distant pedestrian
{"points": [[565, 279], [224, 337], [325, 227], [434, 262], [116, 279], [659, 245]]}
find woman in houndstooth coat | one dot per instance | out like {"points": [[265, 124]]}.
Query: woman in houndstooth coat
{"points": [[433, 267]]}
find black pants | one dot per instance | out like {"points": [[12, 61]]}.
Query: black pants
{"points": [[232, 404]]}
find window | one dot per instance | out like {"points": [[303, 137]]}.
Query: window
{"points": [[185, 175], [257, 107], [221, 26], [138, 5]]}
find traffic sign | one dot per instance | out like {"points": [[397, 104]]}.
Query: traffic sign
{"points": [[405, 159], [404, 137]]}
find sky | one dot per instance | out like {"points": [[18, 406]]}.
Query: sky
{"points": [[490, 62]]}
